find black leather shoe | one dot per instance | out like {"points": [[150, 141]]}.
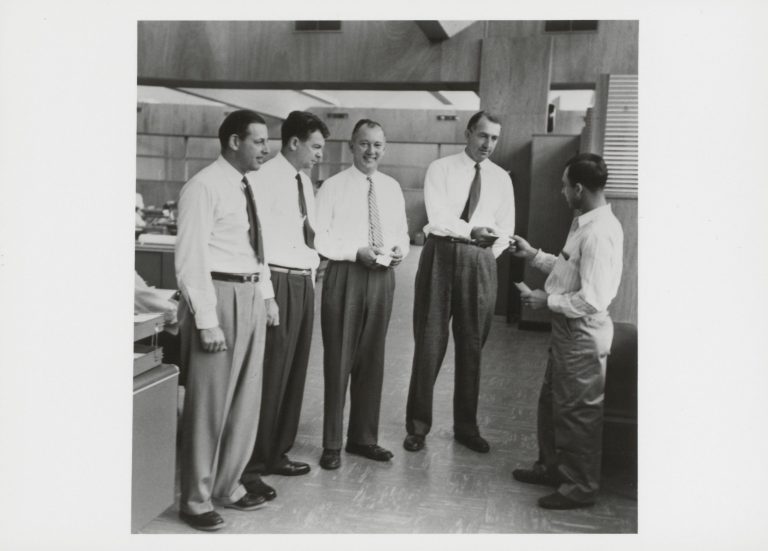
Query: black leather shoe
{"points": [[209, 522], [413, 442], [476, 443], [371, 451], [331, 459], [291, 468], [535, 476], [559, 501], [249, 502], [258, 487]]}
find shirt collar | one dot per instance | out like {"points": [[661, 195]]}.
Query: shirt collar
{"points": [[360, 174], [470, 162], [230, 172], [594, 214], [285, 164]]}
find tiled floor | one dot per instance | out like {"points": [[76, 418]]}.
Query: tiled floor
{"points": [[446, 488]]}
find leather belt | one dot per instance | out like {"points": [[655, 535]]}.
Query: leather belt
{"points": [[237, 278], [290, 271], [464, 240]]}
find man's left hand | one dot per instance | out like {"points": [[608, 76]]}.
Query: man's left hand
{"points": [[536, 299], [273, 312]]}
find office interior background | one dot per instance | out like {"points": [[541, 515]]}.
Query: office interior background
{"points": [[559, 87]]}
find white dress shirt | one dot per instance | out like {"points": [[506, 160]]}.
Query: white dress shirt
{"points": [[342, 214], [584, 278], [446, 188], [213, 237], [277, 197]]}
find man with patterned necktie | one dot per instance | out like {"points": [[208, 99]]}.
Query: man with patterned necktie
{"points": [[228, 303], [471, 212], [362, 230], [286, 200]]}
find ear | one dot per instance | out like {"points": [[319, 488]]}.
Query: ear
{"points": [[579, 189], [351, 146], [293, 143], [234, 142], [467, 133]]}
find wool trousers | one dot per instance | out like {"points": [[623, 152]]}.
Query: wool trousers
{"points": [[356, 305]]}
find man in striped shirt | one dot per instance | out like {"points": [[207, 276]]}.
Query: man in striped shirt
{"points": [[583, 279]]}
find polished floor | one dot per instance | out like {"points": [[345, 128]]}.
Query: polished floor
{"points": [[446, 488]]}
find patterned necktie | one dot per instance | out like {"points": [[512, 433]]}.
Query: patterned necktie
{"points": [[474, 196], [309, 233], [254, 231], [375, 235]]}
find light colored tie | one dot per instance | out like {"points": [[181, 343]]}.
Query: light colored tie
{"points": [[375, 235]]}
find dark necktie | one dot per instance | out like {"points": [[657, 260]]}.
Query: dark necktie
{"points": [[375, 235], [309, 233], [254, 231], [474, 196]]}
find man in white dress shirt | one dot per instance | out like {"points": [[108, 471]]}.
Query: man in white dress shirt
{"points": [[362, 230], [471, 211], [228, 303], [286, 200], [583, 280]]}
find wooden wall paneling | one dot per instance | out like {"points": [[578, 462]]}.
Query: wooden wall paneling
{"points": [[189, 120], [550, 216], [514, 85], [270, 54], [400, 125], [624, 306], [160, 146], [582, 57]]}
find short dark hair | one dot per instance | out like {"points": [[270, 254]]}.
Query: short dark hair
{"points": [[474, 119], [301, 124], [587, 169], [237, 122], [365, 122]]}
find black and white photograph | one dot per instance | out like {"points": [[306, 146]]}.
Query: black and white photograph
{"points": [[386, 277]]}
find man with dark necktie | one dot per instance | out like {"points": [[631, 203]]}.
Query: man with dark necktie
{"points": [[471, 212], [362, 230], [228, 303], [286, 200]]}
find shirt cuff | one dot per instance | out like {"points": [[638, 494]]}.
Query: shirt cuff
{"points": [[206, 320], [553, 303], [266, 289]]}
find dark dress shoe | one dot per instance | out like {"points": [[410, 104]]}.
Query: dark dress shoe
{"points": [[413, 442], [258, 487], [535, 476], [291, 468], [561, 502], [330, 460], [476, 443], [210, 521], [371, 451], [249, 502]]}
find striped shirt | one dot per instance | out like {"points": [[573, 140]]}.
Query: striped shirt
{"points": [[584, 278]]}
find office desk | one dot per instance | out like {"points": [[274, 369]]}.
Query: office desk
{"points": [[154, 263]]}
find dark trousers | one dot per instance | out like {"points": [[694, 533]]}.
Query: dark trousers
{"points": [[355, 309], [458, 281], [286, 356], [570, 422]]}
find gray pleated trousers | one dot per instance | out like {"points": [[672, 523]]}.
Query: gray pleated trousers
{"points": [[454, 281], [355, 309], [221, 404], [570, 418]]}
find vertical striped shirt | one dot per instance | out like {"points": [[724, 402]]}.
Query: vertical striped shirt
{"points": [[584, 278]]}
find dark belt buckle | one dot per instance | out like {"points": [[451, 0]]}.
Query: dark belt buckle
{"points": [[251, 278]]}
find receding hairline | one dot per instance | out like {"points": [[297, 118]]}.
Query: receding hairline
{"points": [[370, 125]]}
